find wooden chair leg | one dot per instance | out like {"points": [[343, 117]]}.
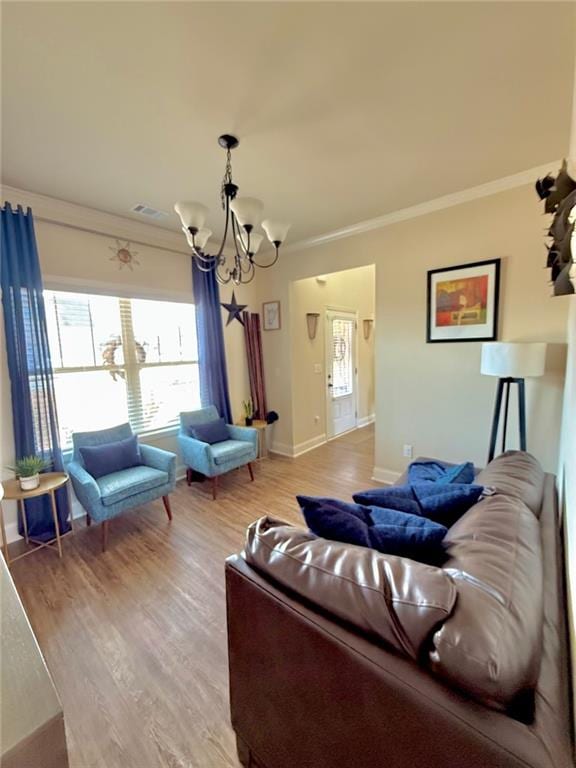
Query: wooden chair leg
{"points": [[214, 487], [166, 501], [249, 465], [188, 476], [88, 520], [104, 534]]}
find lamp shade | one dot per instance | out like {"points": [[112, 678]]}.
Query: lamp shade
{"points": [[191, 214], [255, 241], [276, 230], [248, 211], [513, 360]]}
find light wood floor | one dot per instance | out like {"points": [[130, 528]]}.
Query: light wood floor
{"points": [[135, 638]]}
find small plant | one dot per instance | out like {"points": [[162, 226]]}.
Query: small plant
{"points": [[28, 466], [248, 409]]}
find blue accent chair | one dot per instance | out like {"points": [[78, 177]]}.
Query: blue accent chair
{"points": [[112, 494], [216, 459]]}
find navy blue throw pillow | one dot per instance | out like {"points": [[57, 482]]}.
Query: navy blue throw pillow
{"points": [[387, 530], [332, 521], [440, 502], [104, 459], [214, 431], [397, 533]]}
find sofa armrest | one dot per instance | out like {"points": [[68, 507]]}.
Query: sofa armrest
{"points": [[159, 459], [85, 487], [196, 454], [245, 434]]}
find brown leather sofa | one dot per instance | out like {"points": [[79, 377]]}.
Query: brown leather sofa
{"points": [[341, 657]]}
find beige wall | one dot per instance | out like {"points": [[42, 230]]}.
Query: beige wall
{"points": [[71, 258], [432, 396], [352, 290]]}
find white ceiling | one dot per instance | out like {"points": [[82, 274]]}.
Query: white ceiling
{"points": [[345, 111]]}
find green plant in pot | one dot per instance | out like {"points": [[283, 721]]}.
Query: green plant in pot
{"points": [[248, 409], [27, 470]]}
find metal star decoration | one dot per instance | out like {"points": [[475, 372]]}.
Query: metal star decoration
{"points": [[234, 310]]}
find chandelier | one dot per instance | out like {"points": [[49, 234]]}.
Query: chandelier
{"points": [[243, 215]]}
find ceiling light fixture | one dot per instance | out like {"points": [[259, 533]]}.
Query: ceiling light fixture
{"points": [[243, 215]]}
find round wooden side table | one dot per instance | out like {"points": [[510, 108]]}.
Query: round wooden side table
{"points": [[50, 482]]}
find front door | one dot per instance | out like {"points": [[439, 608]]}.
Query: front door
{"points": [[340, 372]]}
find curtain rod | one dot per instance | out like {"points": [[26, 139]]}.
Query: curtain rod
{"points": [[107, 234]]}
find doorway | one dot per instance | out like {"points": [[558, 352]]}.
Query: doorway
{"points": [[341, 372]]}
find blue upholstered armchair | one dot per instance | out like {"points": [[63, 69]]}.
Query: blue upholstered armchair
{"points": [[112, 494], [216, 459]]}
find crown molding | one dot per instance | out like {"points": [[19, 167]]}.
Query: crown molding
{"points": [[63, 213], [431, 206]]}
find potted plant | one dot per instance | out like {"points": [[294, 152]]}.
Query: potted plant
{"points": [[248, 409], [28, 470]]}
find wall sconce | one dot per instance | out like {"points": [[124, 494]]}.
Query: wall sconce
{"points": [[312, 322], [367, 325]]}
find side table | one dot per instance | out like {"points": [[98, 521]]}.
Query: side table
{"points": [[50, 482], [260, 425]]}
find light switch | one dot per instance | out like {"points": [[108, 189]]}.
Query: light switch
{"points": [[317, 368]]}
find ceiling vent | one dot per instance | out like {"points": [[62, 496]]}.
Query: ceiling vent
{"points": [[148, 212]]}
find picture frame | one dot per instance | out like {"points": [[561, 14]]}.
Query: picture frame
{"points": [[271, 319], [462, 302]]}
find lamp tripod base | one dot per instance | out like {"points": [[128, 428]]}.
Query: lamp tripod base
{"points": [[503, 391]]}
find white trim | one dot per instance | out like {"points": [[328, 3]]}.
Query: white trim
{"points": [[283, 449], [504, 184], [387, 476], [364, 421], [63, 213]]}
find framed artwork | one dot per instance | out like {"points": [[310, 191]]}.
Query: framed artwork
{"points": [[271, 316], [462, 303]]}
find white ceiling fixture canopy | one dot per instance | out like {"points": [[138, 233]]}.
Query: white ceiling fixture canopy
{"points": [[242, 215]]}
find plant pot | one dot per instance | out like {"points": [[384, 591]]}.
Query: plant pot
{"points": [[30, 483], [248, 421]]}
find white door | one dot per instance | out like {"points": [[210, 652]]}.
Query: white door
{"points": [[340, 372]]}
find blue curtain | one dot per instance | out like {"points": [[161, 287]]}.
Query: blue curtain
{"points": [[31, 381], [211, 353]]}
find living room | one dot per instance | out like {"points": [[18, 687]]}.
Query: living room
{"points": [[326, 356]]}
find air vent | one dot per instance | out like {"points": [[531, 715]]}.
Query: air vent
{"points": [[150, 213]]}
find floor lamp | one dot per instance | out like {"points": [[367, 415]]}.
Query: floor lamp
{"points": [[511, 363]]}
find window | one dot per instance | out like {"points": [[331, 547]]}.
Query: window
{"points": [[118, 360], [342, 368]]}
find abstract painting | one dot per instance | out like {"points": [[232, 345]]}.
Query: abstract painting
{"points": [[463, 302]]}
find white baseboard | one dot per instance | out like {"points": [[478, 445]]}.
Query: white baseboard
{"points": [[387, 476], [365, 420], [77, 511], [293, 451]]}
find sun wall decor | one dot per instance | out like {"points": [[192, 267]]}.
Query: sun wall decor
{"points": [[124, 255]]}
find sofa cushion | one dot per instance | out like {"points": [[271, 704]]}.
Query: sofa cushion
{"points": [[230, 451], [399, 600], [516, 474], [211, 432], [490, 646], [103, 459], [121, 485]]}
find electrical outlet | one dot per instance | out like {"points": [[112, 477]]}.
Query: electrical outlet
{"points": [[317, 368], [407, 452]]}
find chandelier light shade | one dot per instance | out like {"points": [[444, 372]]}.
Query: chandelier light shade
{"points": [[242, 216]]}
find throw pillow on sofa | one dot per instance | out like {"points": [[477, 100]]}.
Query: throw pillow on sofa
{"points": [[443, 504], [387, 530], [211, 432], [104, 459]]}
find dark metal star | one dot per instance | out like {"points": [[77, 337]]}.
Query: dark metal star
{"points": [[234, 310]]}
